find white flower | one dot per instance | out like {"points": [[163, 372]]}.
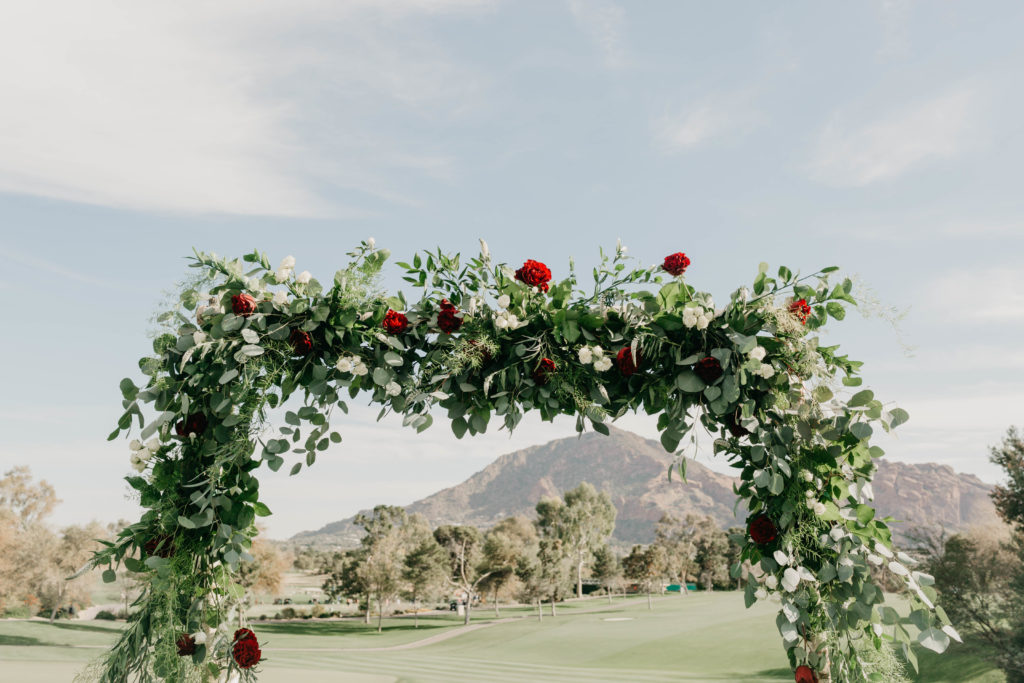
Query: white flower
{"points": [[135, 445], [153, 445], [199, 637], [602, 364], [282, 274], [818, 507], [702, 322], [287, 263], [344, 365], [504, 301], [771, 582], [138, 463], [359, 368], [371, 243], [757, 353], [198, 337], [806, 475], [586, 355], [597, 351], [393, 389], [484, 251], [790, 579], [766, 370], [501, 322], [280, 298], [303, 278], [760, 594]]}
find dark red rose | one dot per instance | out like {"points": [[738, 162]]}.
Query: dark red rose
{"points": [[805, 674], [535, 274], [735, 428], [244, 634], [301, 342], [159, 546], [446, 318], [762, 530], [395, 322], [243, 305], [801, 310], [708, 369], [186, 645], [675, 264], [482, 351], [193, 424], [627, 364], [246, 652], [543, 371]]}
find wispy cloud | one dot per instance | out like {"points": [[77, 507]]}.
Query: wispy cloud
{"points": [[991, 294], [894, 18], [602, 21], [851, 154], [707, 119], [47, 266], [224, 107]]}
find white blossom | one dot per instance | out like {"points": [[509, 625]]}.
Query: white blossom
{"points": [[766, 370], [199, 637], [282, 274], [138, 463], [702, 322], [504, 301], [757, 353], [135, 445], [818, 507], [359, 368], [690, 317], [153, 445], [280, 298], [597, 351], [806, 475], [586, 355], [760, 594], [501, 322], [287, 263], [393, 389], [304, 277], [771, 582], [484, 251], [602, 364], [344, 364], [808, 493]]}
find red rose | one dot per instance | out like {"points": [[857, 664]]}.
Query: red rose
{"points": [[735, 428], [543, 370], [801, 310], [244, 634], [804, 674], [186, 645], [301, 342], [446, 319], [627, 364], [246, 651], [193, 424], [762, 530], [708, 369], [675, 264], [535, 274], [395, 322], [243, 305], [159, 546]]}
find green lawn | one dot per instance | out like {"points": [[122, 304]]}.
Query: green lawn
{"points": [[701, 637]]}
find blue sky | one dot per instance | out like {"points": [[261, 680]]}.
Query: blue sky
{"points": [[883, 137]]}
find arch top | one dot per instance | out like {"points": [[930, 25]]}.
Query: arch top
{"points": [[482, 345]]}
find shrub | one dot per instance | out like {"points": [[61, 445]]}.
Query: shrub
{"points": [[106, 615]]}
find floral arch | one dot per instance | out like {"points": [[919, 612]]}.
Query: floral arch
{"points": [[488, 343]]}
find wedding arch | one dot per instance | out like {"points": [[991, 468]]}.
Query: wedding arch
{"points": [[486, 343]]}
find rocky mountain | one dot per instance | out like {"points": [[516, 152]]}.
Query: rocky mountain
{"points": [[634, 472]]}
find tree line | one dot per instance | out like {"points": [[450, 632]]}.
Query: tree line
{"points": [[532, 562]]}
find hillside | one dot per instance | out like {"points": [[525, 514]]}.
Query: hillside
{"points": [[634, 472]]}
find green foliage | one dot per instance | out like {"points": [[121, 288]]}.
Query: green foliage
{"points": [[752, 372]]}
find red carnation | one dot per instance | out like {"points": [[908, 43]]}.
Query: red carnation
{"points": [[159, 546], [805, 674], [801, 310], [193, 424], [301, 342], [543, 370], [708, 369], [446, 319], [626, 362], [186, 645], [246, 651], [395, 322], [675, 264], [762, 530], [243, 305], [535, 274]]}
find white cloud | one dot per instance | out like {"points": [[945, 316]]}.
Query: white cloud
{"points": [[894, 17], [602, 21], [710, 118], [990, 294], [215, 107], [943, 127]]}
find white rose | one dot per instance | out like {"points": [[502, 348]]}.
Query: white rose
{"points": [[771, 581], [282, 274], [602, 364], [703, 322], [303, 278], [809, 493], [287, 263], [153, 445], [135, 445], [393, 389], [513, 321], [757, 353], [371, 243], [344, 365], [690, 317], [586, 356], [360, 369], [501, 322], [818, 507], [280, 298], [766, 370], [504, 301], [199, 637], [597, 351], [138, 463], [806, 475]]}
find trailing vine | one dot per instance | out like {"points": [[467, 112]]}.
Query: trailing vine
{"points": [[483, 343]]}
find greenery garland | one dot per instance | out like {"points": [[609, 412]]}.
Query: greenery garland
{"points": [[487, 342]]}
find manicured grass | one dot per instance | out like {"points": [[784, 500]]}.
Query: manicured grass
{"points": [[701, 637]]}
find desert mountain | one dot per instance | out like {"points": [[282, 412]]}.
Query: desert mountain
{"points": [[634, 472]]}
